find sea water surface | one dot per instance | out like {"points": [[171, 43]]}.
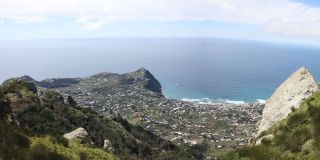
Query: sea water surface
{"points": [[204, 70]]}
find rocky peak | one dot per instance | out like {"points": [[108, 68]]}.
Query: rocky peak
{"points": [[147, 79], [299, 86], [25, 78], [24, 82]]}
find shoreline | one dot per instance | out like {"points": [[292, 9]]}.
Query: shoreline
{"points": [[208, 101]]}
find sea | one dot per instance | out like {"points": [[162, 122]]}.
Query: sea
{"points": [[201, 70]]}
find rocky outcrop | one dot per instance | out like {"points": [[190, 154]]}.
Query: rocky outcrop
{"points": [[24, 81], [299, 86], [22, 78], [79, 133]]}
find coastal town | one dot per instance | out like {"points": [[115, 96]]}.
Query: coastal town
{"points": [[223, 125]]}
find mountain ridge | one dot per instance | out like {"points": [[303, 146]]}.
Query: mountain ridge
{"points": [[141, 77]]}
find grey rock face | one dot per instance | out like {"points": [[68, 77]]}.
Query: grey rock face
{"points": [[299, 86], [79, 133]]}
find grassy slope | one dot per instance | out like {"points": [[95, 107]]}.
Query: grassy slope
{"points": [[74, 150], [49, 115], [296, 137], [21, 143]]}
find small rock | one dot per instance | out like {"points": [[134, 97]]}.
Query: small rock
{"points": [[108, 145]]}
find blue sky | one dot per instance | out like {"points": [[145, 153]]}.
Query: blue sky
{"points": [[310, 2], [292, 21]]}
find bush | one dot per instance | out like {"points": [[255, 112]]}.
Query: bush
{"points": [[13, 145], [60, 140], [200, 151], [16, 86], [40, 152], [52, 97], [260, 152], [83, 156]]}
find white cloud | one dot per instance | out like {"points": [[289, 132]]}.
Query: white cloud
{"points": [[82, 19], [279, 17], [91, 26], [30, 19]]}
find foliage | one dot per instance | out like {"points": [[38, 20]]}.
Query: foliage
{"points": [[74, 151], [200, 150]]}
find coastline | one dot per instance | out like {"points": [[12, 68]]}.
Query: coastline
{"points": [[209, 101]]}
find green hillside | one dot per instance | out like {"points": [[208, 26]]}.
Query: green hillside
{"points": [[33, 122]]}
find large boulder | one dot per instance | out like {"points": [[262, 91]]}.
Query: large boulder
{"points": [[79, 133], [299, 86]]}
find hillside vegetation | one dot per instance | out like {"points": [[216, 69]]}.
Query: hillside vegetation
{"points": [[32, 124], [294, 138]]}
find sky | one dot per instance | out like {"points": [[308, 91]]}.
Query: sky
{"points": [[289, 21]]}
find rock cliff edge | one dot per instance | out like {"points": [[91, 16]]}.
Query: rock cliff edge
{"points": [[299, 86]]}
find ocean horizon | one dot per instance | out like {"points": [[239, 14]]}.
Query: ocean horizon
{"points": [[200, 70]]}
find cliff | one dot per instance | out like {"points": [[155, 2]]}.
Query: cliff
{"points": [[299, 86], [290, 126]]}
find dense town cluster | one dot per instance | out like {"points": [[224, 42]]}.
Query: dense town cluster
{"points": [[222, 125]]}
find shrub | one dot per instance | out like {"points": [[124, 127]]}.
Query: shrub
{"points": [[40, 152], [57, 139], [13, 145], [83, 156], [260, 152], [52, 97], [16, 86], [71, 101]]}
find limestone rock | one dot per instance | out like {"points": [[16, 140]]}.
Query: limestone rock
{"points": [[299, 86], [79, 133]]}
